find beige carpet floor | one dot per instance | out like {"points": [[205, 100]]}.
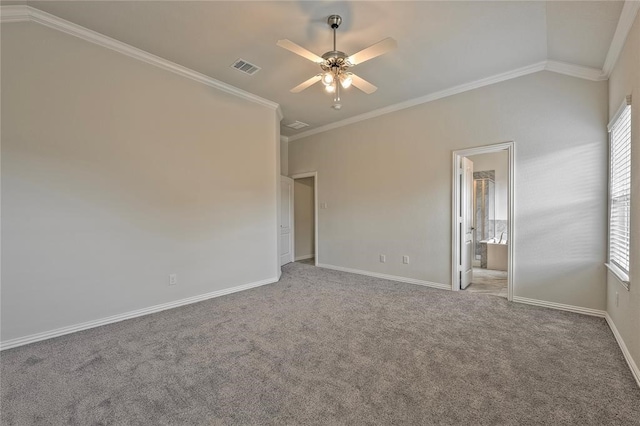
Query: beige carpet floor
{"points": [[328, 348]]}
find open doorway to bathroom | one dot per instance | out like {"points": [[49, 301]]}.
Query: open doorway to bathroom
{"points": [[305, 218], [490, 236], [483, 220]]}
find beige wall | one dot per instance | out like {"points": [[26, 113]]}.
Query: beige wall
{"points": [[625, 80], [499, 162], [116, 174], [387, 184], [304, 217]]}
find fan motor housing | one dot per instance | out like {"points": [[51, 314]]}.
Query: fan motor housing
{"points": [[335, 59], [334, 54]]}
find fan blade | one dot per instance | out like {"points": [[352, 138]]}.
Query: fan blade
{"points": [[380, 48], [299, 50], [300, 87], [363, 84]]}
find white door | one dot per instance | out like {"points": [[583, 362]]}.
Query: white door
{"points": [[466, 222], [286, 220]]}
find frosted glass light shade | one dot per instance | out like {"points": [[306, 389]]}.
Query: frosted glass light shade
{"points": [[327, 78], [345, 80]]}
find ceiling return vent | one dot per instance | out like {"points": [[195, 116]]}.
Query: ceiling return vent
{"points": [[296, 125], [245, 67]]}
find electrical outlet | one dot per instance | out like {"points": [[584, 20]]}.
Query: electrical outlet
{"points": [[405, 260], [617, 299], [383, 258], [173, 279]]}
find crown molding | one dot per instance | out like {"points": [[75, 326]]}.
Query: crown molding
{"points": [[627, 18], [23, 13], [15, 13], [284, 139], [519, 72], [573, 70], [565, 68]]}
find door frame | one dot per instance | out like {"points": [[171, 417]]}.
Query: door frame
{"points": [[292, 238], [314, 175], [455, 233], [467, 214]]}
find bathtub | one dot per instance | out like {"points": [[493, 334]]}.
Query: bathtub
{"points": [[497, 254]]}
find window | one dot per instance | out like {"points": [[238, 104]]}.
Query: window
{"points": [[620, 192]]}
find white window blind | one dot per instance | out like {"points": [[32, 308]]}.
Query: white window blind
{"points": [[620, 190]]}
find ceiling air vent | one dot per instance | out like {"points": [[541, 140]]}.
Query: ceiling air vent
{"points": [[296, 125], [245, 67]]}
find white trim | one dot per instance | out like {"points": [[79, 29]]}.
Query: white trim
{"points": [[560, 306], [619, 275], [20, 341], [511, 228], [485, 149], [623, 347], [540, 66], [387, 277], [627, 17], [314, 175], [306, 256], [511, 214], [573, 70], [14, 13], [292, 227], [22, 13], [625, 103], [284, 139], [553, 66]]}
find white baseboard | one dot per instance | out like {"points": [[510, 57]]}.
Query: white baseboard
{"points": [[635, 371], [387, 277], [623, 347], [306, 256], [560, 306], [20, 341]]}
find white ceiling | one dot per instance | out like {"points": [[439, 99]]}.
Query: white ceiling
{"points": [[440, 44]]}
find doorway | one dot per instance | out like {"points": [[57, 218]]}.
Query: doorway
{"points": [[482, 231], [286, 220], [305, 218]]}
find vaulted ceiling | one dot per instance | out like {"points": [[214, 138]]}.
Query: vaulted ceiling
{"points": [[440, 44]]}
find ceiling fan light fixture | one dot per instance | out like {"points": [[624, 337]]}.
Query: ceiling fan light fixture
{"points": [[335, 64], [327, 79], [346, 80]]}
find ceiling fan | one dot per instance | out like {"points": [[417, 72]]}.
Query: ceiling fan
{"points": [[335, 64]]}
